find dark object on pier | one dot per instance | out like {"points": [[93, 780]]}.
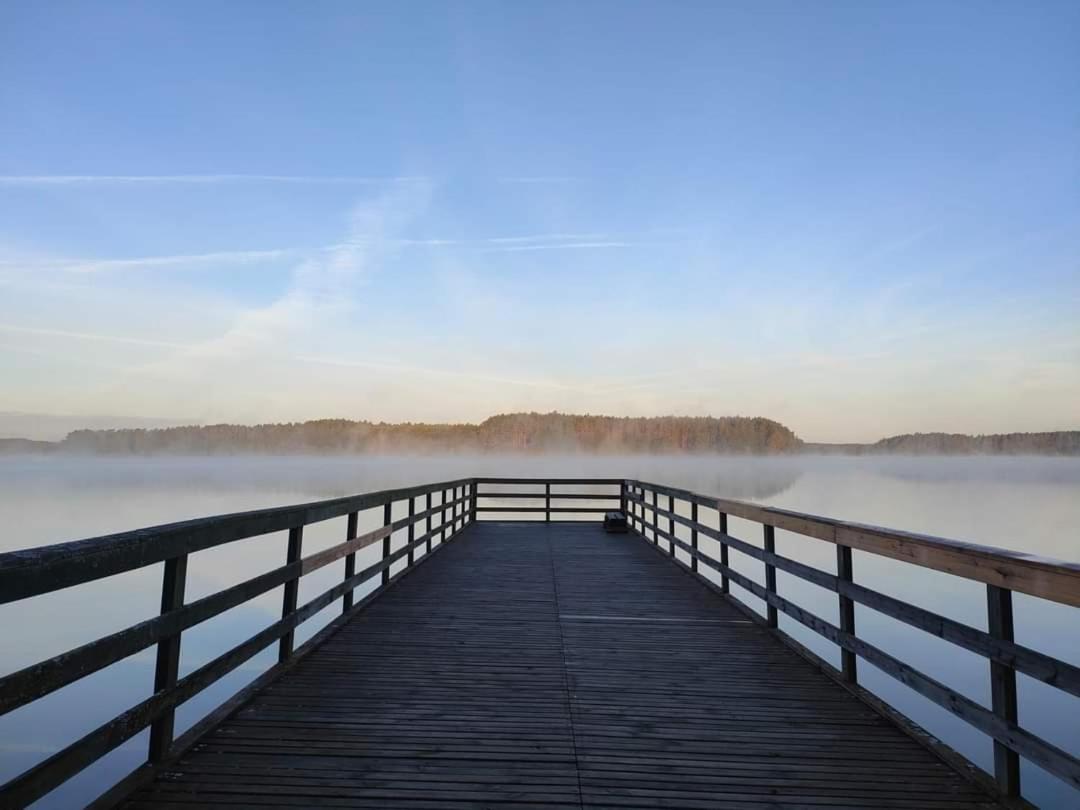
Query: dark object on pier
{"points": [[541, 662], [615, 522]]}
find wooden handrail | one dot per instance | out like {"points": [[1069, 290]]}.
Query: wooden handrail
{"points": [[35, 571], [1051, 579], [1000, 570], [24, 574], [548, 496], [554, 481]]}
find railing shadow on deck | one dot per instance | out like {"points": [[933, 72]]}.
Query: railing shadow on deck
{"points": [[442, 510]]}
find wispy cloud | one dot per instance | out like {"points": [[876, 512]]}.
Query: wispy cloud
{"points": [[196, 179], [559, 246], [401, 368], [319, 292], [546, 237], [495, 244], [64, 333], [540, 179], [99, 265]]}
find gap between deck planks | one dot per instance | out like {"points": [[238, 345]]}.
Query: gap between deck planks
{"points": [[554, 665]]}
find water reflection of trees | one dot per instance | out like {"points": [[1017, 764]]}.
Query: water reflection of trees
{"points": [[737, 478], [758, 485]]}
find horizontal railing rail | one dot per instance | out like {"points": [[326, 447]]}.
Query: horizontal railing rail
{"points": [[445, 510], [563, 500], [999, 570]]}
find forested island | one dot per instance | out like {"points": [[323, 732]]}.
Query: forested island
{"points": [[532, 433], [1051, 443]]}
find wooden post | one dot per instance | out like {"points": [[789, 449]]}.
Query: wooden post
{"points": [[292, 590], [350, 562], [847, 613], [770, 574], [622, 500], [173, 583], [693, 536], [671, 524], [547, 503], [412, 528], [456, 511], [444, 526], [427, 507], [386, 521], [725, 586], [472, 502], [1003, 688], [645, 513], [655, 520]]}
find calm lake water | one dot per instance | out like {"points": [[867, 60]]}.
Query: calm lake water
{"points": [[1028, 504]]}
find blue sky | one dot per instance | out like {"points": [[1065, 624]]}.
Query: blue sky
{"points": [[857, 218]]}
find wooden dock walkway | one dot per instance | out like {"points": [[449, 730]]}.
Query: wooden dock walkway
{"points": [[494, 650], [555, 665]]}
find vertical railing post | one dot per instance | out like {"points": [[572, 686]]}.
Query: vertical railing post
{"points": [[412, 529], [770, 574], [456, 511], [173, 583], [844, 573], [671, 524], [693, 536], [725, 586], [350, 561], [292, 590], [444, 526], [547, 503], [1003, 688], [472, 502], [655, 520], [386, 520], [622, 500], [427, 507], [642, 505]]}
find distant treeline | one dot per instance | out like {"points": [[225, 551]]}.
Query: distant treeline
{"points": [[530, 433], [1053, 443], [506, 433]]}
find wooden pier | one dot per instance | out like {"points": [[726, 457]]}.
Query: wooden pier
{"points": [[544, 662]]}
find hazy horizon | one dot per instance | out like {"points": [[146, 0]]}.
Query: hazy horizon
{"points": [[859, 221], [56, 427]]}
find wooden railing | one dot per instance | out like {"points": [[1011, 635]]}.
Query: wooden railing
{"points": [[33, 572], [569, 500], [442, 510], [1001, 571]]}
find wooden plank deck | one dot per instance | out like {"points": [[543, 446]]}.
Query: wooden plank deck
{"points": [[532, 664]]}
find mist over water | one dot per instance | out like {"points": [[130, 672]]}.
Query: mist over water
{"points": [[1027, 504]]}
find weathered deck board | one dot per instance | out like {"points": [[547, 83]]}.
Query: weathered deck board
{"points": [[553, 665]]}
